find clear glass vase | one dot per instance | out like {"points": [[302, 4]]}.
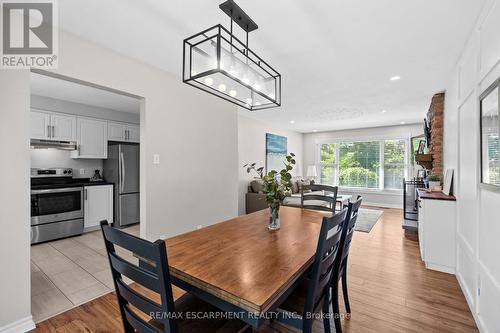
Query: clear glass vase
{"points": [[274, 221]]}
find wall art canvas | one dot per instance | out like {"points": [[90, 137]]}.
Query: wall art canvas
{"points": [[276, 150]]}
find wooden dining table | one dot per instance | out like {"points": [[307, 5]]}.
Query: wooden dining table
{"points": [[240, 266]]}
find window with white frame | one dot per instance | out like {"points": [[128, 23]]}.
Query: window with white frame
{"points": [[370, 164]]}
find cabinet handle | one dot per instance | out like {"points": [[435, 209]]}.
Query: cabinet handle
{"points": [[53, 131], [48, 131], [85, 194], [128, 134]]}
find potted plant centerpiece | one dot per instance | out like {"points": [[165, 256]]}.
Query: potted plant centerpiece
{"points": [[434, 182], [276, 185]]}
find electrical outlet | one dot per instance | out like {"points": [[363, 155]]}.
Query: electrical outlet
{"points": [[82, 171], [156, 159]]}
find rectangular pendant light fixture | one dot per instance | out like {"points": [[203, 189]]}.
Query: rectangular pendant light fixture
{"points": [[217, 62]]}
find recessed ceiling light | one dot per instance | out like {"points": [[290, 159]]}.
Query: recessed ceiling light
{"points": [[402, 122], [395, 78], [292, 121], [384, 111], [315, 131]]}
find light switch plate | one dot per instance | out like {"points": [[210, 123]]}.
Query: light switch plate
{"points": [[156, 158]]}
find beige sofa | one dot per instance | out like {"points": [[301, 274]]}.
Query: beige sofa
{"points": [[255, 198]]}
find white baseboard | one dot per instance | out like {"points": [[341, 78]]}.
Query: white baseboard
{"points": [[470, 303], [21, 325], [440, 268]]}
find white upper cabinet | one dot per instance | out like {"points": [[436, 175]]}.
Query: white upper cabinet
{"points": [[116, 132], [123, 132], [63, 127], [52, 126], [92, 135], [40, 125], [134, 134]]}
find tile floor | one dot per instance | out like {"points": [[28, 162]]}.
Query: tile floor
{"points": [[69, 272]]}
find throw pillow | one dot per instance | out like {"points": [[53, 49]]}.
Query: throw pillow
{"points": [[257, 186]]}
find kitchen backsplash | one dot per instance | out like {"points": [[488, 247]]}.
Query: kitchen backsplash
{"points": [[52, 158]]}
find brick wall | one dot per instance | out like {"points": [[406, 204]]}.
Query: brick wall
{"points": [[435, 117]]}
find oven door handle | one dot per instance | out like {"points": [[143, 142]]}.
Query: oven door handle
{"points": [[58, 190]]}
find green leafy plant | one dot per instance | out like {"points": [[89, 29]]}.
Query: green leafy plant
{"points": [[277, 184], [434, 178]]}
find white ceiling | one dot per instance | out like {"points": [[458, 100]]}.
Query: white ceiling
{"points": [[47, 86], [335, 56]]}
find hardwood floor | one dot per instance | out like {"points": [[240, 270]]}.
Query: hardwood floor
{"points": [[389, 288]]}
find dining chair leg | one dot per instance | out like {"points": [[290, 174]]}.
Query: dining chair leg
{"points": [[326, 318], [344, 290], [335, 307]]}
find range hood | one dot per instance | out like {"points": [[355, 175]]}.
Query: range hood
{"points": [[51, 144]]}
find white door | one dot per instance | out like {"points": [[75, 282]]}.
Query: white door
{"points": [[116, 132], [40, 125], [133, 133], [63, 127], [98, 205], [92, 138]]}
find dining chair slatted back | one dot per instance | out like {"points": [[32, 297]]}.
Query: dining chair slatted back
{"points": [[325, 201], [340, 267], [324, 259], [348, 231], [156, 278]]}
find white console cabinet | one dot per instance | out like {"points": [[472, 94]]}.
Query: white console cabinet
{"points": [[436, 231]]}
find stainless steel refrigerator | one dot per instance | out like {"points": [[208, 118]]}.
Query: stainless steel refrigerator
{"points": [[122, 168]]}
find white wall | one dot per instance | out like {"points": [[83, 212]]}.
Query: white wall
{"points": [[15, 200], [478, 225], [370, 197], [252, 148], [194, 133]]}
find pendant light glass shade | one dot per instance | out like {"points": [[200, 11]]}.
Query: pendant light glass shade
{"points": [[220, 64]]}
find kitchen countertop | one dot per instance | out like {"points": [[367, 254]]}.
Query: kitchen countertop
{"points": [[423, 194]]}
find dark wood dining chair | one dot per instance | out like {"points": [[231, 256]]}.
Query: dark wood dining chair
{"points": [[340, 267], [313, 292], [147, 306], [325, 201]]}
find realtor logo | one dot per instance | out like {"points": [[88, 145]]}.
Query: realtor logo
{"points": [[29, 34]]}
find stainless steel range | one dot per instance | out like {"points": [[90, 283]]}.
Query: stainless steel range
{"points": [[56, 204]]}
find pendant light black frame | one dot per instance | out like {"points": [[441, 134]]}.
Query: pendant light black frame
{"points": [[218, 35]]}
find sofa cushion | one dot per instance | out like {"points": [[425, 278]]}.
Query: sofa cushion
{"points": [[295, 186], [303, 182], [257, 186]]}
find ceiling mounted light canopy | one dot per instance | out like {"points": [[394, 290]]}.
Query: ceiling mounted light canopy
{"points": [[217, 62]]}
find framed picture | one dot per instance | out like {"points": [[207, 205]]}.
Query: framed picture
{"points": [[448, 179], [421, 147], [421, 173], [415, 142], [276, 150], [490, 137]]}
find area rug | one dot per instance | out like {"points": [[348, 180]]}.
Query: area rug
{"points": [[367, 219]]}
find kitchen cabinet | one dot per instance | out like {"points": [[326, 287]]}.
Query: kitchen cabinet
{"points": [[98, 205], [63, 127], [92, 138], [52, 126], [123, 132], [40, 125], [436, 231]]}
